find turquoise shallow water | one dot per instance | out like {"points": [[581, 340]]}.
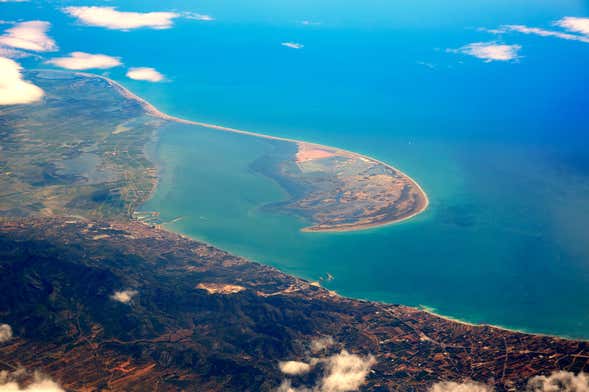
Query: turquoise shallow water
{"points": [[486, 251], [501, 147]]}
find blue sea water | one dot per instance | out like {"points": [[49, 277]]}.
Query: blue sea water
{"points": [[500, 147]]}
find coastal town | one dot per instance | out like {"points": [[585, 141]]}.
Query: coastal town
{"points": [[192, 305]]}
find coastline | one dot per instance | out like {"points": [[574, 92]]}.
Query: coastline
{"points": [[431, 311], [153, 111]]}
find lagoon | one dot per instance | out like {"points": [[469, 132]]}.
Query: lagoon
{"points": [[497, 244]]}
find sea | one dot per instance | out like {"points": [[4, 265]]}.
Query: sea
{"points": [[500, 147]]}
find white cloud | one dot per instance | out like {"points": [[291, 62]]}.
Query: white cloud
{"points": [[489, 51], [560, 381], [29, 36], [345, 372], [293, 368], [5, 333], [13, 89], [577, 25], [426, 64], [81, 60], [110, 18], [124, 296], [145, 73], [468, 386], [321, 343], [196, 16], [13, 53], [9, 382], [540, 32], [293, 45], [286, 386], [309, 23]]}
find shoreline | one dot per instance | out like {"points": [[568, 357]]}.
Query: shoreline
{"points": [[431, 311], [153, 111]]}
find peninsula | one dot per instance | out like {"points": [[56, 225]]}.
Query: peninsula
{"points": [[355, 191]]}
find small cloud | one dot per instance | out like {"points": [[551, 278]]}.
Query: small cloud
{"points": [[293, 368], [489, 51], [196, 16], [110, 18], [29, 36], [293, 45], [5, 333], [577, 25], [145, 73], [537, 31], [345, 372], [286, 386], [81, 60], [427, 65], [467, 386], [13, 89], [322, 343], [124, 296], [309, 23], [37, 382], [13, 53], [559, 381], [498, 31]]}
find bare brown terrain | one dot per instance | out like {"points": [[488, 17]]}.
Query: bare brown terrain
{"points": [[360, 192], [203, 319]]}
